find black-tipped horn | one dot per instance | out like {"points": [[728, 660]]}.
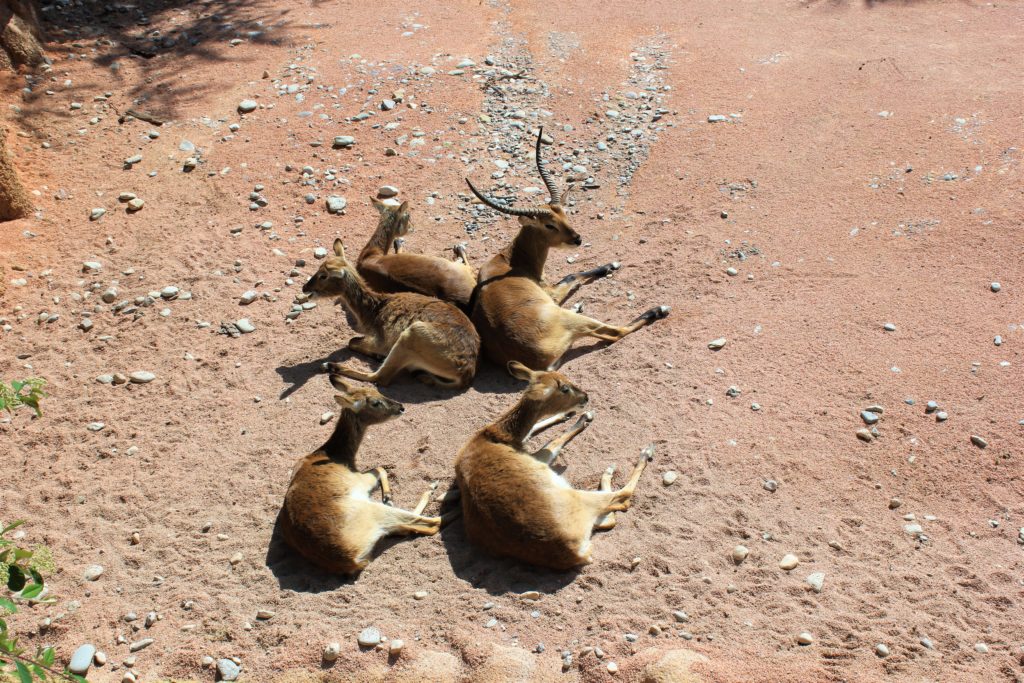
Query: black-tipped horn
{"points": [[529, 213], [549, 182]]}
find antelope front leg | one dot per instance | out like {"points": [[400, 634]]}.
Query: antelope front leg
{"points": [[460, 253], [550, 451], [368, 346], [549, 422], [424, 499], [398, 244], [568, 285], [385, 485]]}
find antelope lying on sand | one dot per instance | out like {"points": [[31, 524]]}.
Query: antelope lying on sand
{"points": [[428, 337], [519, 316], [513, 503], [328, 516], [430, 275]]}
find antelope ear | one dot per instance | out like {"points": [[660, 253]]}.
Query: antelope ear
{"points": [[346, 401], [378, 204], [338, 383], [404, 207], [519, 371], [339, 248]]}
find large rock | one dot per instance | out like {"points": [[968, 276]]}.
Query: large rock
{"points": [[674, 667]]}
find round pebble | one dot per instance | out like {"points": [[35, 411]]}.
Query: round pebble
{"points": [[882, 650], [228, 670], [141, 377], [369, 637], [395, 649], [332, 651], [739, 553], [92, 573], [246, 106], [669, 478], [889, 327], [789, 562], [82, 659], [805, 638], [995, 286]]}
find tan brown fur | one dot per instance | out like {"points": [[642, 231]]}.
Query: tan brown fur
{"points": [[513, 503], [328, 516], [413, 332], [400, 272], [517, 313]]}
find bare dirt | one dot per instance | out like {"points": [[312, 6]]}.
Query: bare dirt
{"points": [[868, 171]]}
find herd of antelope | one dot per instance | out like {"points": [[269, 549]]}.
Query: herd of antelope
{"points": [[431, 317]]}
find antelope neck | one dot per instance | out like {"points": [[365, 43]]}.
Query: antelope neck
{"points": [[528, 253], [361, 300], [514, 426], [345, 440]]}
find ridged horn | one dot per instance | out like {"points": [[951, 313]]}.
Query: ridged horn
{"points": [[529, 213], [549, 182]]}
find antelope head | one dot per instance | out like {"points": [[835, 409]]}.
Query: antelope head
{"points": [[398, 218], [328, 279], [368, 404], [552, 392], [549, 221]]}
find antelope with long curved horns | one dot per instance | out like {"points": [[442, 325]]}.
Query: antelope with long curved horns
{"points": [[517, 313]]}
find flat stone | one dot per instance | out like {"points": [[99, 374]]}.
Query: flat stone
{"points": [[105, 379], [247, 297], [95, 426], [669, 478], [227, 670], [336, 204], [186, 146], [865, 435], [369, 637], [140, 644], [132, 160], [264, 614], [344, 141], [789, 562], [717, 118], [246, 106], [141, 377], [81, 660], [136, 204], [387, 191], [981, 648], [97, 213], [716, 344], [805, 638], [816, 581], [169, 292], [889, 327], [91, 265], [245, 326], [869, 417], [913, 529], [978, 441]]}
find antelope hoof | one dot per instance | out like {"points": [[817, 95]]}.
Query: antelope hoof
{"points": [[333, 368], [399, 241], [615, 265], [648, 452], [577, 307], [656, 313], [608, 268], [585, 419], [325, 367]]}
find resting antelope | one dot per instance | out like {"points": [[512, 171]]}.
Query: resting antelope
{"points": [[513, 503], [328, 516], [384, 272], [519, 316], [428, 337]]}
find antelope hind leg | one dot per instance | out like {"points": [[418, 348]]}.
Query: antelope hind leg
{"points": [[582, 326], [606, 521], [623, 497]]}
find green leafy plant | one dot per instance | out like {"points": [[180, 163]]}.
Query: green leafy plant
{"points": [[24, 393], [24, 584]]}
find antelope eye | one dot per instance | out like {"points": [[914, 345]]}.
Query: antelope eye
{"points": [[565, 388], [376, 403], [550, 226]]}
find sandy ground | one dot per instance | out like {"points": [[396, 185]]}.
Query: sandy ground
{"points": [[868, 171]]}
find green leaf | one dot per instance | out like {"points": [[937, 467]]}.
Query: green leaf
{"points": [[10, 527], [23, 673], [32, 591], [21, 554], [36, 576], [16, 385], [7, 605], [15, 578], [46, 657]]}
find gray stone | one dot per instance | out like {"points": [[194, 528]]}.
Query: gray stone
{"points": [[332, 651], [95, 426], [717, 118], [132, 160], [246, 106], [770, 485], [85, 325], [320, 252], [97, 213], [169, 292], [105, 379], [140, 644], [978, 441], [941, 416], [91, 265], [998, 340], [247, 297], [816, 581], [869, 417], [882, 650], [388, 105], [336, 204], [716, 344], [344, 141], [387, 191], [136, 204], [369, 637], [995, 286], [889, 327], [245, 326], [81, 660], [865, 435], [109, 295], [141, 377], [228, 670], [186, 146], [805, 638], [669, 478]]}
